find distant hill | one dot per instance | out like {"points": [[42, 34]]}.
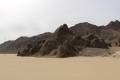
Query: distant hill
{"points": [[21, 43], [6, 47], [66, 41]]}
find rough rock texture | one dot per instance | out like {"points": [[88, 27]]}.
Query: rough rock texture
{"points": [[111, 33], [63, 43], [84, 28], [67, 42], [22, 42], [95, 42]]}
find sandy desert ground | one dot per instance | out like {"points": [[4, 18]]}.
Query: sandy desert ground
{"points": [[13, 67]]}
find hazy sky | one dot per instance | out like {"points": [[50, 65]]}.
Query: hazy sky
{"points": [[31, 17]]}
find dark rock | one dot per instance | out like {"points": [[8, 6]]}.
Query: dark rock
{"points": [[62, 33], [84, 29], [47, 47], [114, 25], [95, 42], [64, 50], [67, 42], [111, 33], [36, 43]]}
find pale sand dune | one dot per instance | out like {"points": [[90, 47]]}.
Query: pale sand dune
{"points": [[13, 67]]}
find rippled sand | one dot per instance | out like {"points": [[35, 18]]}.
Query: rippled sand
{"points": [[13, 67]]}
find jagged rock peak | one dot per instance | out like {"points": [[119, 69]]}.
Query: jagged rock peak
{"points": [[112, 23], [62, 30]]}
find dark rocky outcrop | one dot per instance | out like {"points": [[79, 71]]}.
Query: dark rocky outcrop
{"points": [[111, 33], [64, 43], [22, 42], [68, 42], [95, 41]]}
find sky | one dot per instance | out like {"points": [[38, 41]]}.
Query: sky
{"points": [[32, 17]]}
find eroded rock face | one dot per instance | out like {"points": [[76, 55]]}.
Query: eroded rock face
{"points": [[65, 50], [35, 43], [111, 33], [62, 33], [66, 42], [95, 42], [47, 47], [63, 43]]}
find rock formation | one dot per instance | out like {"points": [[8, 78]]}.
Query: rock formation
{"points": [[63, 43], [67, 42]]}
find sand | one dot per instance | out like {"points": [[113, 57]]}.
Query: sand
{"points": [[13, 67]]}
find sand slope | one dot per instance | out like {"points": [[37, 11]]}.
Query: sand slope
{"points": [[77, 68]]}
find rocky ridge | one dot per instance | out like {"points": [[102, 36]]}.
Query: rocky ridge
{"points": [[68, 42]]}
